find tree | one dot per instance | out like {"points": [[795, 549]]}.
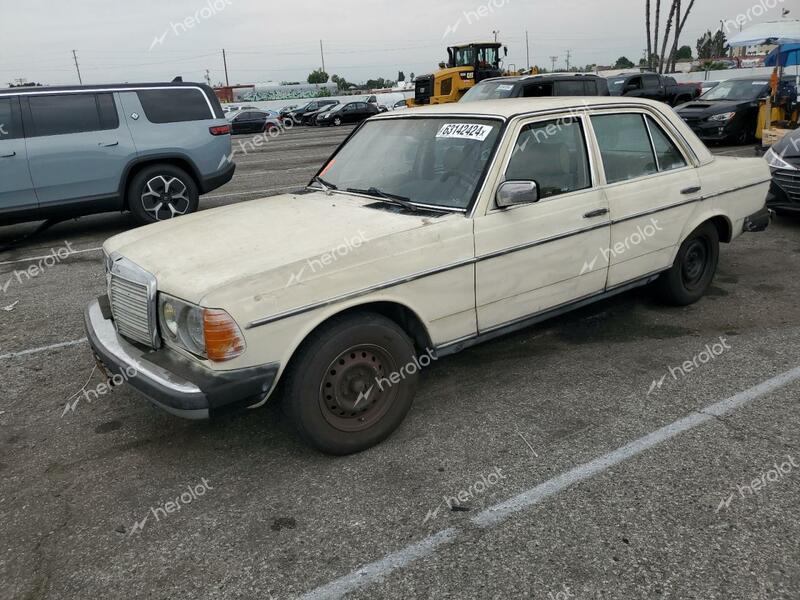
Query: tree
{"points": [[645, 61], [679, 25], [684, 53], [341, 83], [623, 63], [659, 57], [712, 45], [413, 76], [318, 76], [401, 76]]}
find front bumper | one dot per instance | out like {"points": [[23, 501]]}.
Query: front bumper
{"points": [[758, 221], [712, 131], [170, 381]]}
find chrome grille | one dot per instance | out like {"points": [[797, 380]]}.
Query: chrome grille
{"points": [[132, 296], [789, 182]]}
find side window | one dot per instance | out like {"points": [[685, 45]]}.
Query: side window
{"points": [[569, 88], [650, 82], [667, 153], [553, 154], [538, 90], [63, 114], [109, 119], [591, 88], [9, 121], [625, 146], [174, 105], [635, 82]]}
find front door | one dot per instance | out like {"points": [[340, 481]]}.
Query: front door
{"points": [[16, 186], [537, 257], [651, 187]]}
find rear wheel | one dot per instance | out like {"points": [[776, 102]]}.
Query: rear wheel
{"points": [[694, 268], [162, 192], [352, 383]]}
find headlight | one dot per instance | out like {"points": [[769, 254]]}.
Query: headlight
{"points": [[776, 161], [209, 333], [724, 117]]}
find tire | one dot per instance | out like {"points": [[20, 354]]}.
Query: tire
{"points": [[148, 203], [335, 391], [694, 268], [337, 121], [269, 128]]}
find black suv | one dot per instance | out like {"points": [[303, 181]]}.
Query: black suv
{"points": [[537, 86]]}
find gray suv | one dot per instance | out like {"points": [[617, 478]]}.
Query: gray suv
{"points": [[151, 149]]}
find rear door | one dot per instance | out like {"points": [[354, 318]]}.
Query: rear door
{"points": [[651, 186], [78, 147], [16, 185]]}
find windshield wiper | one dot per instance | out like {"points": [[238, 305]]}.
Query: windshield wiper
{"points": [[326, 186], [391, 198]]}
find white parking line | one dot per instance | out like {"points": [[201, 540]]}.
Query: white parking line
{"points": [[494, 515], [35, 258], [42, 349]]}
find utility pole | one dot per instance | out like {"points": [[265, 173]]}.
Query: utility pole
{"points": [[569, 54], [496, 35], [225, 63], [77, 68], [528, 49], [553, 59], [208, 77], [322, 54]]}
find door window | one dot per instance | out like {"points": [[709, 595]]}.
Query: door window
{"points": [[569, 88], [62, 114], [9, 124], [667, 153], [650, 82], [625, 146], [553, 154]]}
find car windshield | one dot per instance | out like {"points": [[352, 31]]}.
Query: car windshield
{"points": [[429, 161], [470, 56], [489, 90], [737, 90]]}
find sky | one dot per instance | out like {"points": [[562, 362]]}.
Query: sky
{"points": [[151, 40]]}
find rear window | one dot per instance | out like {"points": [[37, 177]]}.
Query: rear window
{"points": [[570, 88], [174, 105], [62, 114]]}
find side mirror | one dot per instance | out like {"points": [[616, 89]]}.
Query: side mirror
{"points": [[505, 49], [515, 193]]}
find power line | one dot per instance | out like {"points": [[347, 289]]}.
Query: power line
{"points": [[77, 68]]}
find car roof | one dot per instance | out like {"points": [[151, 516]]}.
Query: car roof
{"points": [[511, 107], [94, 88], [518, 78]]}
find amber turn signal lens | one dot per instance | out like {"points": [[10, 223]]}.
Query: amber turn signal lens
{"points": [[224, 340]]}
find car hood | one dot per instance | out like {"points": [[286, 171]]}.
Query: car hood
{"points": [[788, 146], [272, 243], [699, 108]]}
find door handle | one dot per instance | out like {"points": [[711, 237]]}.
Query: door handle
{"points": [[9, 155], [596, 213], [108, 144], [691, 190]]}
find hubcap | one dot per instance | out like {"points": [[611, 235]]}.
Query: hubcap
{"points": [[695, 263], [355, 392], [165, 198]]}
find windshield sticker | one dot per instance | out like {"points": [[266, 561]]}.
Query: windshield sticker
{"points": [[505, 87], [465, 131], [619, 81]]}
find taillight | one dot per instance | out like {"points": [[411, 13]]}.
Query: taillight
{"points": [[220, 130]]}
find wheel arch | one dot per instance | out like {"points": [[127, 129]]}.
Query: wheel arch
{"points": [[720, 221], [135, 167]]}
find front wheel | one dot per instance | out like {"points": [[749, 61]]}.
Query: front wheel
{"points": [[337, 121], [352, 383], [694, 268], [162, 192]]}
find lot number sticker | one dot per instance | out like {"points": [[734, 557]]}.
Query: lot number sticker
{"points": [[465, 131]]}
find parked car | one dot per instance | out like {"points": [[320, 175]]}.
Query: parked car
{"points": [[351, 112], [437, 218], [707, 85], [229, 109], [652, 86], [255, 121], [784, 161], [296, 115], [151, 149], [728, 113], [310, 117], [536, 86], [400, 105]]}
